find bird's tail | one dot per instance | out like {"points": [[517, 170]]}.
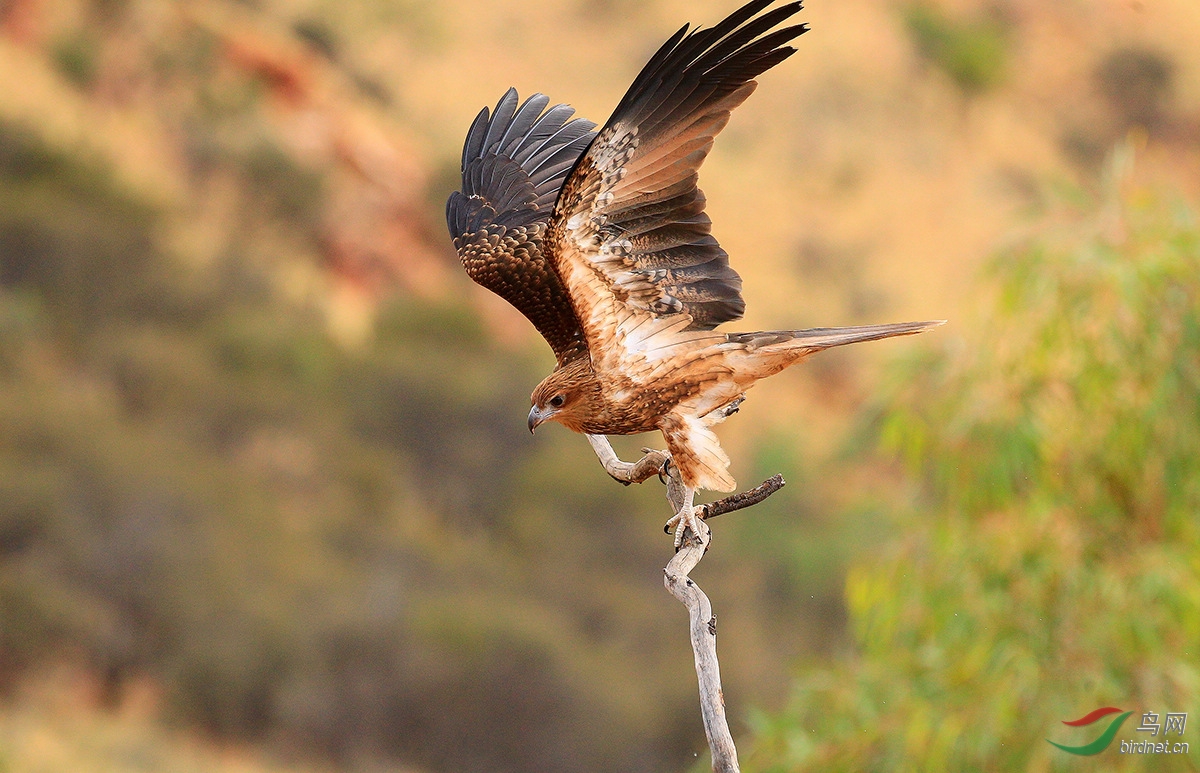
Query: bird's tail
{"points": [[818, 338]]}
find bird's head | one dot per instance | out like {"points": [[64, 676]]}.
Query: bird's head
{"points": [[570, 395]]}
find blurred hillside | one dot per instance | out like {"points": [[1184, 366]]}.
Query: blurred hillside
{"points": [[263, 452]]}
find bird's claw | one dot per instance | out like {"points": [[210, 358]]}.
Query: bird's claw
{"points": [[689, 519], [664, 472]]}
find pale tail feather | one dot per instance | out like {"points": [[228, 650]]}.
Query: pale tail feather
{"points": [[818, 338]]}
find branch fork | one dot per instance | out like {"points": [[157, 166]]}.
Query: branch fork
{"points": [[693, 536]]}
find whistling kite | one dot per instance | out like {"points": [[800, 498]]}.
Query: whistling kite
{"points": [[601, 240]]}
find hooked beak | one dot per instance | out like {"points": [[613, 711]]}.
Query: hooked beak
{"points": [[535, 418]]}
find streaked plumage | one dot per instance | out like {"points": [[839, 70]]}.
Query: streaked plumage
{"points": [[601, 240]]}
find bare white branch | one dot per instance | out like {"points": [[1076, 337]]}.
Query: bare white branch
{"points": [[690, 548], [703, 624], [650, 465]]}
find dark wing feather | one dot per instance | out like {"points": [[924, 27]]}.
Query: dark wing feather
{"points": [[513, 165], [631, 212]]}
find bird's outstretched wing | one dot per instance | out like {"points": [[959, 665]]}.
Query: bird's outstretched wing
{"points": [[513, 165], [629, 237]]}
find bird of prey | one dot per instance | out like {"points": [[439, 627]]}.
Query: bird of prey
{"points": [[601, 240]]}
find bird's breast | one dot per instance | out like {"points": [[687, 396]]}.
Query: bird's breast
{"points": [[633, 408]]}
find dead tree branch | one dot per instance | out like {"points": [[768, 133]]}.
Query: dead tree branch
{"points": [[643, 469], [744, 499], [703, 622]]}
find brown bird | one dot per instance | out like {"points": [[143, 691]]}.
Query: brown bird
{"points": [[601, 240]]}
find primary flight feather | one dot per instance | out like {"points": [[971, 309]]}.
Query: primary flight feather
{"points": [[601, 240]]}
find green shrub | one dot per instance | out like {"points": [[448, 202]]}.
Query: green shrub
{"points": [[75, 57], [1049, 562], [972, 53]]}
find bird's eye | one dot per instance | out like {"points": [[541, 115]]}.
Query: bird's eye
{"points": [[557, 401]]}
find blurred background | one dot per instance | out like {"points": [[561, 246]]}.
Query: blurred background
{"points": [[267, 500]]}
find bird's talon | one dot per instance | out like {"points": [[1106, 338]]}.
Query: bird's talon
{"points": [[684, 522]]}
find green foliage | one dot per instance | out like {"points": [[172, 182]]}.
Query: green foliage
{"points": [[1050, 562], [973, 54], [275, 178], [69, 232], [75, 56], [319, 36], [1137, 84]]}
